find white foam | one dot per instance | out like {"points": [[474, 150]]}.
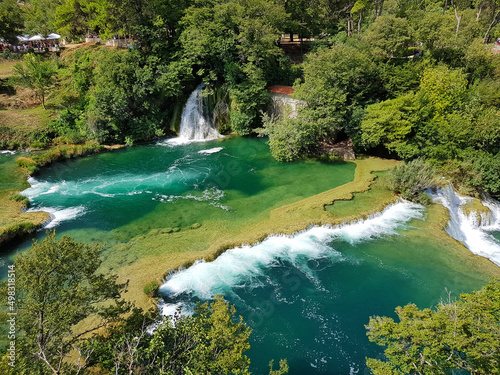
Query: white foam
{"points": [[59, 215], [8, 152], [466, 229], [240, 266], [181, 141], [123, 184], [211, 150], [212, 196]]}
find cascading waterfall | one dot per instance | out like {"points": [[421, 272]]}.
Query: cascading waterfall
{"points": [[239, 266], [195, 124], [472, 230], [280, 103]]}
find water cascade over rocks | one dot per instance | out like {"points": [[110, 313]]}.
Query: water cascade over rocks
{"points": [[239, 266], [282, 103], [195, 123], [471, 228]]}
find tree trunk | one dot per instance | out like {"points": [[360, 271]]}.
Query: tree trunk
{"points": [[445, 6], [350, 25], [381, 7], [492, 24], [459, 18], [359, 22], [478, 14]]}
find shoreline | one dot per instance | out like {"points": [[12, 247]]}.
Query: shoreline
{"points": [[284, 220], [19, 224]]}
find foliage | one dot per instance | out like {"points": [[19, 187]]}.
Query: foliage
{"points": [[461, 335], [58, 287], [41, 16], [338, 83], [289, 138], [483, 171], [389, 35], [411, 179], [212, 340], [437, 122], [11, 20], [36, 74]]}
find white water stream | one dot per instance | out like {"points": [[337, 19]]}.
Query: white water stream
{"points": [[195, 123], [473, 229]]}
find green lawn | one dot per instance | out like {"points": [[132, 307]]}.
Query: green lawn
{"points": [[7, 67]]}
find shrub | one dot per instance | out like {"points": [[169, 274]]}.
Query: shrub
{"points": [[21, 198], [412, 179], [151, 289]]}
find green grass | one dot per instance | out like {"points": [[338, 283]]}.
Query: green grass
{"points": [[7, 67]]}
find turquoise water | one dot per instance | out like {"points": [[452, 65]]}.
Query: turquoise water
{"points": [[115, 196], [306, 297]]}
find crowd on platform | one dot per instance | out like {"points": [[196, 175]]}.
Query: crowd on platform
{"points": [[36, 43]]}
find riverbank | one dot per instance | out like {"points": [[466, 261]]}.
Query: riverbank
{"points": [[15, 223]]}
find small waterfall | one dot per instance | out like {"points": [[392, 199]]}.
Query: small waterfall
{"points": [[471, 229], [195, 124], [280, 102]]}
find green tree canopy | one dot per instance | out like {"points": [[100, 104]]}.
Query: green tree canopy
{"points": [[211, 341], [389, 35], [58, 286], [11, 20], [461, 335]]}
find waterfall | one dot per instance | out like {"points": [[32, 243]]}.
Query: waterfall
{"points": [[280, 102], [195, 124], [471, 229]]}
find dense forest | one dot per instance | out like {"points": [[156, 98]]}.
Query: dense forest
{"points": [[416, 80], [404, 79]]}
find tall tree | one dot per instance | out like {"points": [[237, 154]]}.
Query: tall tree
{"points": [[59, 286], [11, 20]]}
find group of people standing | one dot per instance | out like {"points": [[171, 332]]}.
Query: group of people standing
{"points": [[30, 46]]}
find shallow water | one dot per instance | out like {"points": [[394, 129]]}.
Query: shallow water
{"points": [[117, 196], [307, 297]]}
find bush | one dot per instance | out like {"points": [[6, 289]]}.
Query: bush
{"points": [[21, 198], [412, 179], [151, 289]]}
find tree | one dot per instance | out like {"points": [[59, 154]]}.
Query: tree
{"points": [[211, 341], [461, 335], [338, 83], [41, 16], [36, 74], [58, 286], [11, 20], [290, 138], [389, 34]]}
